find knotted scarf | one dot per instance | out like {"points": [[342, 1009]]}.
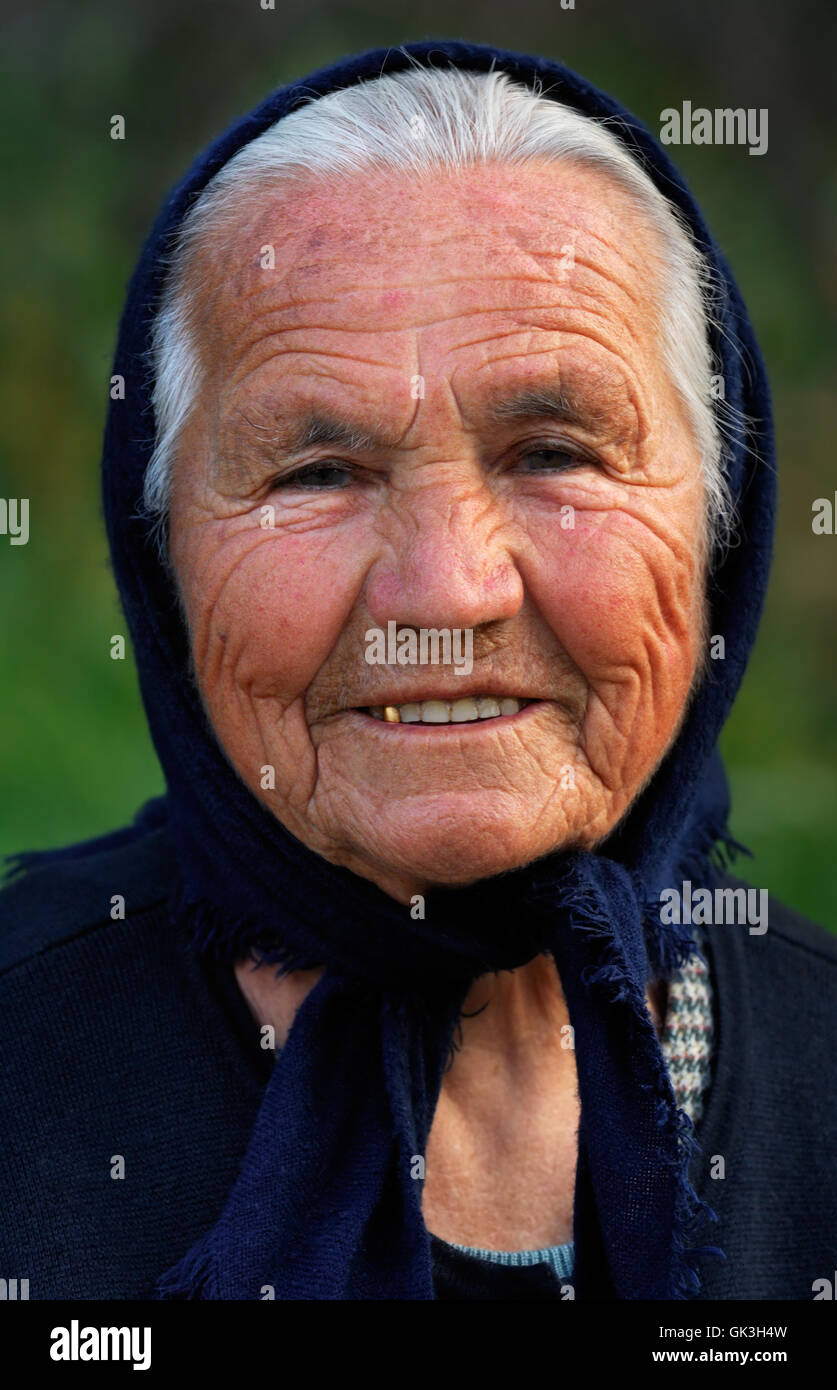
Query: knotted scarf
{"points": [[327, 1202]]}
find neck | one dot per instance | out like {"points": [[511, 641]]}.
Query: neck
{"points": [[502, 1151], [500, 1162]]}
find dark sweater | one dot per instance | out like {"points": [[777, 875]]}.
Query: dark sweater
{"points": [[118, 1041]]}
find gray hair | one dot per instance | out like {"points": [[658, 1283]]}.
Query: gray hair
{"points": [[412, 121]]}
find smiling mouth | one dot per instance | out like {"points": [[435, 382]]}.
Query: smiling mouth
{"points": [[478, 709]]}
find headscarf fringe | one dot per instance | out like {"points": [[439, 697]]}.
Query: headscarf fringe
{"points": [[708, 860], [228, 938], [193, 1277], [690, 1212]]}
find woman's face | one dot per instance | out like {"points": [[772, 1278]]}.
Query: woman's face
{"points": [[440, 403]]}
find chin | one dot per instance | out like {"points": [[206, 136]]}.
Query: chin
{"points": [[453, 848]]}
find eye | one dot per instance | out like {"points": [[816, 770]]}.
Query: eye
{"points": [[319, 477], [551, 458]]}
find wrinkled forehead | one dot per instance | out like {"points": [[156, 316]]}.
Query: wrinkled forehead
{"points": [[488, 269], [376, 239]]}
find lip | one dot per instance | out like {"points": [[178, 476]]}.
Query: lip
{"points": [[472, 729]]}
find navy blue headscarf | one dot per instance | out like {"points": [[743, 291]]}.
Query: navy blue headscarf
{"points": [[325, 1204]]}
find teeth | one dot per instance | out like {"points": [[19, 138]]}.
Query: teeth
{"points": [[465, 711], [435, 712]]}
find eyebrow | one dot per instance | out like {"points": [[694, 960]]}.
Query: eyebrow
{"points": [[319, 427], [567, 406], [286, 438]]}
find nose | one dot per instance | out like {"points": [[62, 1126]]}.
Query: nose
{"points": [[448, 560]]}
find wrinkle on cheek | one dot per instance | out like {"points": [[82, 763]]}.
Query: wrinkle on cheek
{"points": [[604, 745], [623, 610], [608, 569], [266, 622], [263, 623]]}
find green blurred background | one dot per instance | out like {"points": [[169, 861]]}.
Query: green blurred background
{"points": [[76, 756]]}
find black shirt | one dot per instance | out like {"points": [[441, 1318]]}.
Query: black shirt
{"points": [[124, 1053]]}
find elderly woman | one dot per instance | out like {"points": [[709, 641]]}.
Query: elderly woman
{"points": [[424, 980]]}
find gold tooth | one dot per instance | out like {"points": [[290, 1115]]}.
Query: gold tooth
{"points": [[391, 714]]}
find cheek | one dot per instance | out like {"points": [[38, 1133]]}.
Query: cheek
{"points": [[620, 599], [267, 621]]}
